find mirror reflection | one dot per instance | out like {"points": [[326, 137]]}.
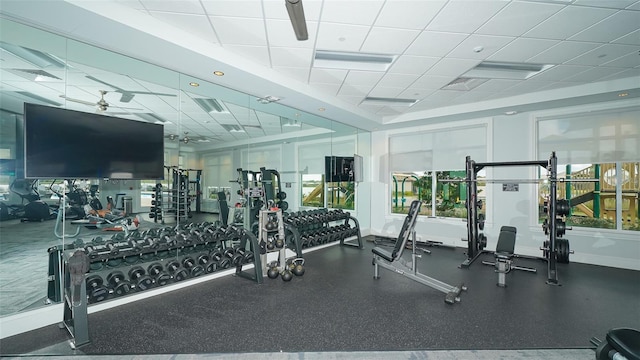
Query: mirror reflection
{"points": [[208, 132]]}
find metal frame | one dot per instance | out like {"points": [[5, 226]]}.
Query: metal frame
{"points": [[410, 269], [472, 169]]}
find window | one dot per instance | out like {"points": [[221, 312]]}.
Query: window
{"points": [[602, 145], [341, 195], [416, 161], [313, 190], [611, 202]]}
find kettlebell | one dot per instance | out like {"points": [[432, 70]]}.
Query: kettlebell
{"points": [[298, 270], [279, 243], [272, 273], [286, 275]]}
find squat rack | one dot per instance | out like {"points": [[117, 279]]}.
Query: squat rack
{"points": [[473, 245]]}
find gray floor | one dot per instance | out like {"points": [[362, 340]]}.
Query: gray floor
{"points": [[344, 313], [568, 354]]}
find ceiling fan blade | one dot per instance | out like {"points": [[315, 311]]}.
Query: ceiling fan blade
{"points": [[102, 82], [126, 96], [124, 108], [78, 100]]}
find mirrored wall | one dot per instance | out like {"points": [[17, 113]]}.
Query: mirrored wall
{"points": [[209, 132]]}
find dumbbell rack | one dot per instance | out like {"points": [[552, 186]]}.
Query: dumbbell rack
{"points": [[264, 234]]}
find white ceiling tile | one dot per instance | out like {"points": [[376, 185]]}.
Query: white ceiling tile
{"points": [[611, 28], [280, 33], [496, 85], [341, 37], [558, 73], [233, 8], [635, 6], [300, 74], [452, 67], [276, 9], [364, 78], [394, 13], [239, 31], [388, 41], [175, 6], [354, 90], [628, 61], [258, 54], [407, 64], [351, 12], [398, 80], [197, 25], [615, 4], [489, 43], [525, 87], [331, 89], [593, 74], [432, 43], [603, 54], [327, 76], [386, 91], [567, 22], [416, 93], [464, 16], [517, 18], [522, 49], [291, 57], [562, 52], [443, 95], [632, 38], [354, 100], [432, 81], [629, 73]]}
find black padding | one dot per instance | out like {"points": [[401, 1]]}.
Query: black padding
{"points": [[224, 207], [626, 341], [383, 253], [506, 240], [405, 232]]}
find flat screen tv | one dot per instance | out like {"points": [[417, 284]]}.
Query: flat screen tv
{"points": [[67, 144]]}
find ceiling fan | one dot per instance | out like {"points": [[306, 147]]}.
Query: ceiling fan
{"points": [[102, 104], [189, 139], [127, 95]]}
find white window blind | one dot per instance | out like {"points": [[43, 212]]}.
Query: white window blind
{"points": [[594, 137], [444, 149]]}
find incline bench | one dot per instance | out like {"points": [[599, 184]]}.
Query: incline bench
{"points": [[393, 260]]}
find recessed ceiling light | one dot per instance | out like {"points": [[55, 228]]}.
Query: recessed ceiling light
{"points": [[623, 94], [218, 73], [352, 61], [321, 109], [505, 70], [194, 84], [511, 112]]}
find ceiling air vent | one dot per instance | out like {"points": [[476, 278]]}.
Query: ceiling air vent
{"points": [[464, 84], [211, 105], [388, 101], [505, 70]]}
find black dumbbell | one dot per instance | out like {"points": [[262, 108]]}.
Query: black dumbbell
{"points": [[206, 262], [246, 255], [118, 284], [160, 277], [194, 268], [138, 277], [113, 248], [95, 290], [91, 251], [174, 269]]}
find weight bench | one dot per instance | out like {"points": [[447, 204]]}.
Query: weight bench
{"points": [[393, 261], [504, 255], [619, 344]]}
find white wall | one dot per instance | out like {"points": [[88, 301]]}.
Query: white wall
{"points": [[511, 138]]}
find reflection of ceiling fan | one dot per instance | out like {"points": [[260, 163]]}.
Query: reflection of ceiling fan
{"points": [[189, 139], [102, 104], [127, 95]]}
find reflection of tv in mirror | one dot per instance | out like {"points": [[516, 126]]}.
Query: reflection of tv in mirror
{"points": [[343, 168]]}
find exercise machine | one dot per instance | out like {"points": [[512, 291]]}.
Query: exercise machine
{"points": [[504, 255], [394, 262], [619, 344]]}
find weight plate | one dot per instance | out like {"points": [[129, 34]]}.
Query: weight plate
{"points": [[98, 294], [163, 279], [144, 283], [122, 288]]}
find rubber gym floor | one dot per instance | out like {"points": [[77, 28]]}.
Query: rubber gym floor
{"points": [[337, 311]]}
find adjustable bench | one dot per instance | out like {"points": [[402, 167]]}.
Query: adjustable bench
{"points": [[504, 255], [393, 261]]}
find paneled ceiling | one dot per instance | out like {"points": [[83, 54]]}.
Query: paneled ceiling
{"points": [[590, 49]]}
